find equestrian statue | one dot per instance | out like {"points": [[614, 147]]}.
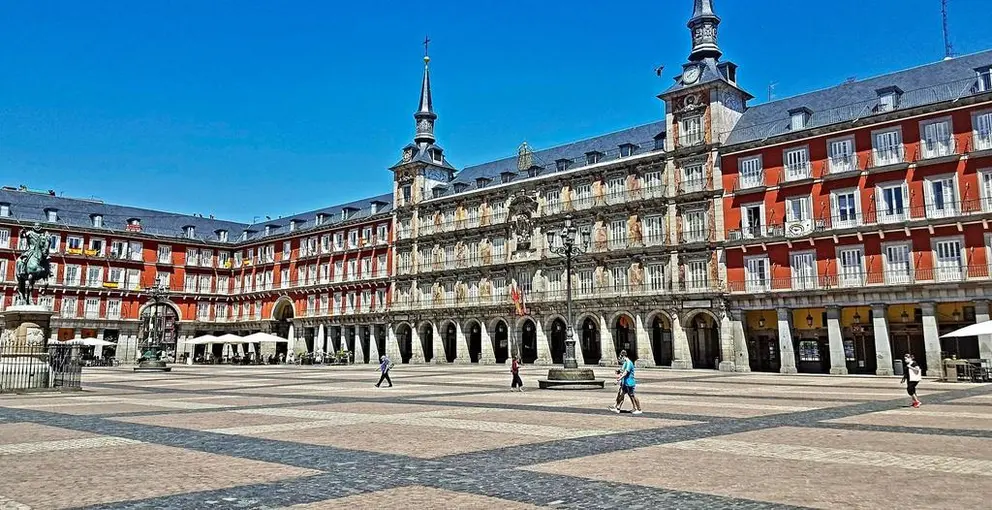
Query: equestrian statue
{"points": [[32, 265]]}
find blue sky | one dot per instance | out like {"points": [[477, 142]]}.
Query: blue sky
{"points": [[252, 108]]}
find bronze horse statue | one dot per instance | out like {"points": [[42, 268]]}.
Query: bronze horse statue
{"points": [[32, 265]]}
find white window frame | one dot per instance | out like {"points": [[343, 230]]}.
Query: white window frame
{"points": [[753, 283], [840, 163], [940, 144], [800, 281], [749, 231], [752, 171], [691, 130], [4, 238], [950, 205], [795, 163], [946, 273], [693, 177], [851, 276], [897, 276], [985, 188], [835, 213], [881, 207], [981, 130], [890, 155]]}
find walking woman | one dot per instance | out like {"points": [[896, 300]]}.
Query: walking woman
{"points": [[517, 383], [912, 375], [384, 365]]}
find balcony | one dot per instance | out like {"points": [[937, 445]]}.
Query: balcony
{"points": [[954, 274], [695, 235], [983, 140], [690, 138], [888, 159], [796, 172], [750, 183], [937, 151]]}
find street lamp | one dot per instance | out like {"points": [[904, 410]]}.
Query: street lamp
{"points": [[155, 330], [571, 245], [573, 242]]}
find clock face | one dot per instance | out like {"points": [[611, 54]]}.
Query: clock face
{"points": [[690, 75]]}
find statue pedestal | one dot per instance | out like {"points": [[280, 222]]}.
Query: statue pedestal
{"points": [[24, 363]]}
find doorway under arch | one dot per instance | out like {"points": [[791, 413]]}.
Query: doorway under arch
{"points": [[474, 341], [624, 338], [559, 332], [501, 345], [404, 340], [661, 341], [528, 342], [592, 352], [427, 341], [450, 342], [704, 341]]}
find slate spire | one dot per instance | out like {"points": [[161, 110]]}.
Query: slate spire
{"points": [[425, 115], [703, 28]]}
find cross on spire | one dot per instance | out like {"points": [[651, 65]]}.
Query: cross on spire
{"points": [[427, 42]]}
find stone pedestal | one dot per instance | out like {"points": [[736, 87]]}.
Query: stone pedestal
{"points": [[23, 352], [571, 379]]}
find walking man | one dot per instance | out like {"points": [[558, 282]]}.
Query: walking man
{"points": [[518, 383], [912, 374], [384, 366], [627, 383]]}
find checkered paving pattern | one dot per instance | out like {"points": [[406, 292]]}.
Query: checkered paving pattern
{"points": [[453, 436]]}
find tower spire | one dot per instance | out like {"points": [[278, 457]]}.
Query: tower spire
{"points": [[702, 27], [425, 115]]}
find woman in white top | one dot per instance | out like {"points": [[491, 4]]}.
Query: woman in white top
{"points": [[912, 375]]}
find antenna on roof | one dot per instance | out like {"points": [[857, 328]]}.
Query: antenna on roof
{"points": [[771, 91], [948, 49]]}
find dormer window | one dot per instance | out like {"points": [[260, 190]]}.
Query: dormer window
{"points": [[984, 78], [244, 235], [505, 177], [319, 220], [729, 71], [438, 191], [268, 230], [562, 164], [221, 235], [627, 150], [347, 213], [436, 155], [134, 224], [888, 99], [593, 157], [376, 205], [482, 182], [460, 187], [799, 118], [293, 224], [52, 215], [4, 210], [189, 231], [96, 220], [534, 171]]}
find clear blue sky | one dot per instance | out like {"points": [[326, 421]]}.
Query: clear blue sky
{"points": [[252, 108]]}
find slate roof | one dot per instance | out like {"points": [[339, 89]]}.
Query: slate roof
{"points": [[30, 206], [643, 137], [932, 83]]}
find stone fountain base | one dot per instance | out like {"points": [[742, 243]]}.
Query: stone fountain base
{"points": [[571, 379]]}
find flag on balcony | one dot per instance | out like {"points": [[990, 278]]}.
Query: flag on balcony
{"points": [[519, 302]]}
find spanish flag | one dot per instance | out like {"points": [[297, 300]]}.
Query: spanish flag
{"points": [[517, 296]]}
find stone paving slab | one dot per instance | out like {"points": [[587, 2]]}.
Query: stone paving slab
{"points": [[966, 419], [21, 432], [207, 420], [416, 497]]}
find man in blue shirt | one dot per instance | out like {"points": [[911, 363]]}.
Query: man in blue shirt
{"points": [[627, 382]]}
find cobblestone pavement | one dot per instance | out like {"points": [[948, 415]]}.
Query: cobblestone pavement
{"points": [[453, 436]]}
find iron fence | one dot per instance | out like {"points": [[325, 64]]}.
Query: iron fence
{"points": [[39, 368]]}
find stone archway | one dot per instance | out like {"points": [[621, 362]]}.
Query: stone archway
{"points": [[661, 339], [558, 333], [501, 341], [404, 341], [449, 340], [473, 330], [589, 340], [528, 341], [426, 332], [624, 335], [703, 332]]}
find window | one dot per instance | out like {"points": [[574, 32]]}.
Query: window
{"points": [[203, 311], [136, 249], [352, 269], [118, 249], [113, 309], [94, 276], [367, 267], [888, 147], [353, 239], [842, 155], [52, 215], [499, 248], [626, 150], [164, 254], [619, 279], [985, 182], [844, 206], [220, 311], [948, 260], [798, 119], [797, 164], [936, 139], [162, 279], [891, 202], [4, 238], [809, 350], [694, 226], [223, 285], [380, 299], [552, 201], [366, 236], [982, 130], [134, 279], [380, 266], [96, 247], [692, 179], [4, 210], [941, 196], [850, 267], [205, 284], [753, 220], [222, 236], [654, 230], [382, 233], [593, 157], [653, 185], [73, 243], [53, 244], [798, 216], [752, 173], [406, 193], [585, 282], [97, 221], [697, 275], [756, 274], [984, 79], [115, 275], [888, 99], [618, 234], [190, 283], [70, 306], [52, 280], [351, 302], [189, 231], [583, 195], [898, 267], [803, 265], [691, 130], [192, 257], [656, 277], [207, 257]]}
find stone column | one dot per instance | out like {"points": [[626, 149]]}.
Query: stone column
{"points": [[393, 346], [462, 355], [645, 351], [359, 350], [417, 353], [931, 338], [838, 360], [727, 355], [786, 352], [438, 346], [984, 341], [606, 345], [543, 347], [681, 355], [883, 348], [742, 360], [98, 350], [373, 345], [488, 355]]}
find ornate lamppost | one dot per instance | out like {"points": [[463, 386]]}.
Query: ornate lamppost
{"points": [[570, 376], [151, 358]]}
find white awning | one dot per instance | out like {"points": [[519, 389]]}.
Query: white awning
{"points": [[263, 338], [982, 328], [203, 340]]}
